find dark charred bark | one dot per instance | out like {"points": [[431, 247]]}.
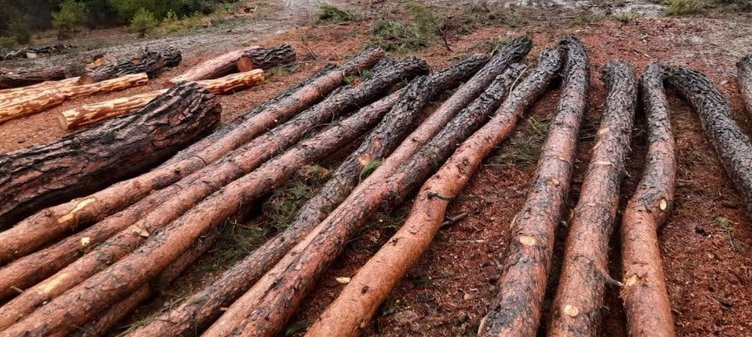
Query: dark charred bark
{"points": [[266, 58], [579, 297], [522, 286], [150, 62], [81, 163], [23, 77], [645, 297], [264, 309], [203, 307], [744, 75]]}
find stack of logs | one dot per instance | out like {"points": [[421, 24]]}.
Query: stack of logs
{"points": [[145, 230]]}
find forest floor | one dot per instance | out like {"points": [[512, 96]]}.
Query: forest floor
{"points": [[706, 244]]}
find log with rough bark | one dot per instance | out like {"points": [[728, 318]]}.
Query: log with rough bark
{"points": [[150, 63], [732, 146], [238, 60], [265, 58], [157, 210], [109, 285], [744, 76], [48, 98], [194, 314], [52, 222], [80, 163], [579, 297], [646, 302], [92, 113], [264, 309], [522, 285], [24, 77]]}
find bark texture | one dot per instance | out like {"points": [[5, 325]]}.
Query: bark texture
{"points": [[744, 75], [264, 58], [579, 296], [645, 297], [84, 162], [522, 285], [150, 62], [264, 309], [24, 77], [203, 307]]}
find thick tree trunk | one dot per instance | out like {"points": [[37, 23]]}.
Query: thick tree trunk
{"points": [[645, 297], [150, 62], [24, 77], [731, 144], [158, 209], [50, 223], [202, 308], [522, 285], [263, 58], [744, 75], [264, 309], [46, 99], [14, 94], [80, 303], [80, 163], [92, 113], [579, 296]]}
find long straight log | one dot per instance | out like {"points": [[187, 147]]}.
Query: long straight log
{"points": [[150, 62], [196, 312], [158, 209], [645, 297], [731, 144], [113, 283], [744, 76], [25, 77], [579, 296], [7, 95], [264, 309], [50, 223], [80, 163], [242, 59], [517, 308]]}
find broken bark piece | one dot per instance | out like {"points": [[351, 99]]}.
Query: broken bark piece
{"points": [[579, 296], [744, 75], [516, 311], [646, 301], [265, 58], [150, 63]]}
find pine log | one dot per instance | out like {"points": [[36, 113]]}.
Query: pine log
{"points": [[52, 222], [82, 302], [33, 178], [732, 146], [215, 67], [576, 310], [24, 77], [516, 311], [646, 302], [198, 311], [150, 62], [263, 58], [265, 308], [158, 209], [92, 113], [45, 99], [744, 76], [15, 93]]}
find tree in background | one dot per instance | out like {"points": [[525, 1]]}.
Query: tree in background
{"points": [[143, 22], [70, 16]]}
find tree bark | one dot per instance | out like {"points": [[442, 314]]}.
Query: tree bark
{"points": [[646, 302], [264, 309], [263, 58], [157, 210], [195, 313], [516, 311], [731, 144], [744, 75], [579, 297], [150, 62], [92, 113], [80, 303], [79, 163], [24, 77], [52, 222], [46, 99]]}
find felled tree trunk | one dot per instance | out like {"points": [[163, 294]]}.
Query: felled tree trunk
{"points": [[579, 296], [23, 77], [33, 178], [7, 95], [744, 75], [150, 62], [238, 60], [522, 285], [645, 297], [264, 309], [50, 223], [194, 314], [263, 58]]}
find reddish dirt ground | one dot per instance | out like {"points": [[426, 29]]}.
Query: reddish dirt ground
{"points": [[705, 244]]}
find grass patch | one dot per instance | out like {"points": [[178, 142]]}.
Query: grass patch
{"points": [[683, 7], [491, 46], [524, 149], [331, 13], [481, 15], [397, 36]]}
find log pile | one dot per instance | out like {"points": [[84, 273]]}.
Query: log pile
{"points": [[149, 62]]}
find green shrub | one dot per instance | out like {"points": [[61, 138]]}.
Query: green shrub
{"points": [[330, 13], [70, 16], [683, 7], [143, 22], [6, 43], [193, 21], [399, 36], [19, 30]]}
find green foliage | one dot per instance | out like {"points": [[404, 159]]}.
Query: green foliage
{"points": [[482, 15], [369, 168], [70, 16], [524, 147], [127, 9], [683, 7], [6, 43], [143, 22], [19, 30], [492, 46], [392, 35], [285, 201], [330, 13]]}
